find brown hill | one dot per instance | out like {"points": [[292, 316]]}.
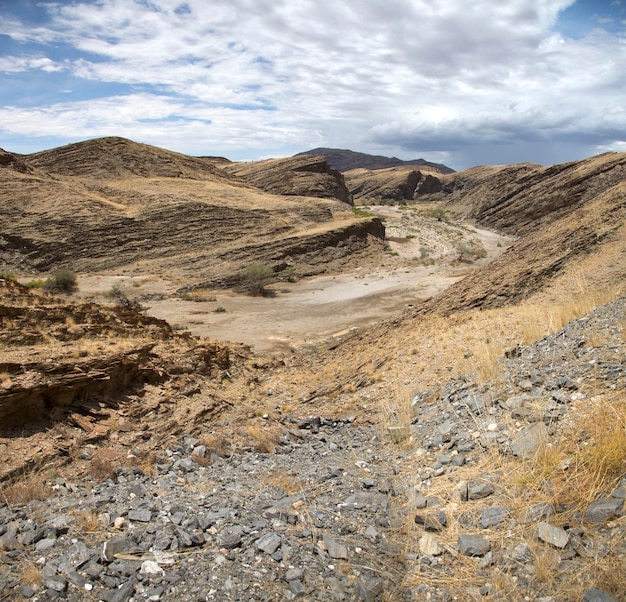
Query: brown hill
{"points": [[115, 157], [111, 203], [302, 175]]}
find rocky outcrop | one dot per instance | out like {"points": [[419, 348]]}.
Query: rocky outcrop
{"points": [[302, 175], [395, 184]]}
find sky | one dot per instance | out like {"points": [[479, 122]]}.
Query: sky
{"points": [[460, 82]]}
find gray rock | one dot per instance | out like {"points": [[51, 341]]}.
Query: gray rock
{"points": [[123, 593], [477, 490], [55, 583], [604, 509], [473, 545], [528, 440], [334, 548], [269, 543], [432, 521], [117, 545], [597, 595], [229, 539], [521, 552], [370, 589], [140, 516], [45, 544], [297, 587], [553, 535], [294, 574], [494, 516]]}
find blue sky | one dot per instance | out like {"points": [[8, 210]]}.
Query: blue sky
{"points": [[463, 83]]}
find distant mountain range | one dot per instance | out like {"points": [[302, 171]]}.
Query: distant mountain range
{"points": [[344, 160]]}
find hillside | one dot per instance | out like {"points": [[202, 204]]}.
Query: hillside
{"points": [[345, 160], [111, 203]]}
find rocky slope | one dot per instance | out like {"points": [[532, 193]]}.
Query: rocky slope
{"points": [[344, 160], [332, 507], [302, 175]]}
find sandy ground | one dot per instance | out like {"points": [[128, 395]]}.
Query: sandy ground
{"points": [[314, 312]]}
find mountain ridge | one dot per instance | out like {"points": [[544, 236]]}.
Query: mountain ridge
{"points": [[345, 160]]}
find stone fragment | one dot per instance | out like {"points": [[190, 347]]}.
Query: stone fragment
{"points": [[140, 516], [553, 535], [55, 582], [370, 589], [269, 543], [335, 549], [151, 567], [528, 440], [117, 545], [604, 509], [494, 516], [477, 490], [428, 545], [294, 574], [432, 521], [473, 545], [297, 588], [521, 552], [123, 593], [229, 539], [45, 544]]}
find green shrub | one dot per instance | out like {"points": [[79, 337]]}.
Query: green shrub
{"points": [[220, 310], [38, 283], [61, 281], [255, 278], [361, 212], [8, 276]]}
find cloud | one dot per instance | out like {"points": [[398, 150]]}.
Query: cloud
{"points": [[435, 76]]}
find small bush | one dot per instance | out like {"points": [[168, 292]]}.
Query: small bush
{"points": [[255, 278], [61, 281], [7, 276], [118, 294], [220, 310], [361, 212], [439, 214]]}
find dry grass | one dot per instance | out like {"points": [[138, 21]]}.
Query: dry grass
{"points": [[30, 575], [550, 318], [32, 487]]}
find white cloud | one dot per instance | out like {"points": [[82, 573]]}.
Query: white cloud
{"points": [[437, 76]]}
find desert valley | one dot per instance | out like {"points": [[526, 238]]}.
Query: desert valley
{"points": [[332, 376]]}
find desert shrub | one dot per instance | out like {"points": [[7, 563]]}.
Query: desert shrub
{"points": [[361, 212], [61, 281], [439, 213], [7, 276], [117, 294], [220, 309], [255, 278]]}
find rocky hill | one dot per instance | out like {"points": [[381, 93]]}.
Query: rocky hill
{"points": [[345, 160], [112, 203], [302, 175]]}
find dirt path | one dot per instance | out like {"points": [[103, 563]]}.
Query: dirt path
{"points": [[316, 312]]}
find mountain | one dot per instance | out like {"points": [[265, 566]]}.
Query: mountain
{"points": [[344, 160]]}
